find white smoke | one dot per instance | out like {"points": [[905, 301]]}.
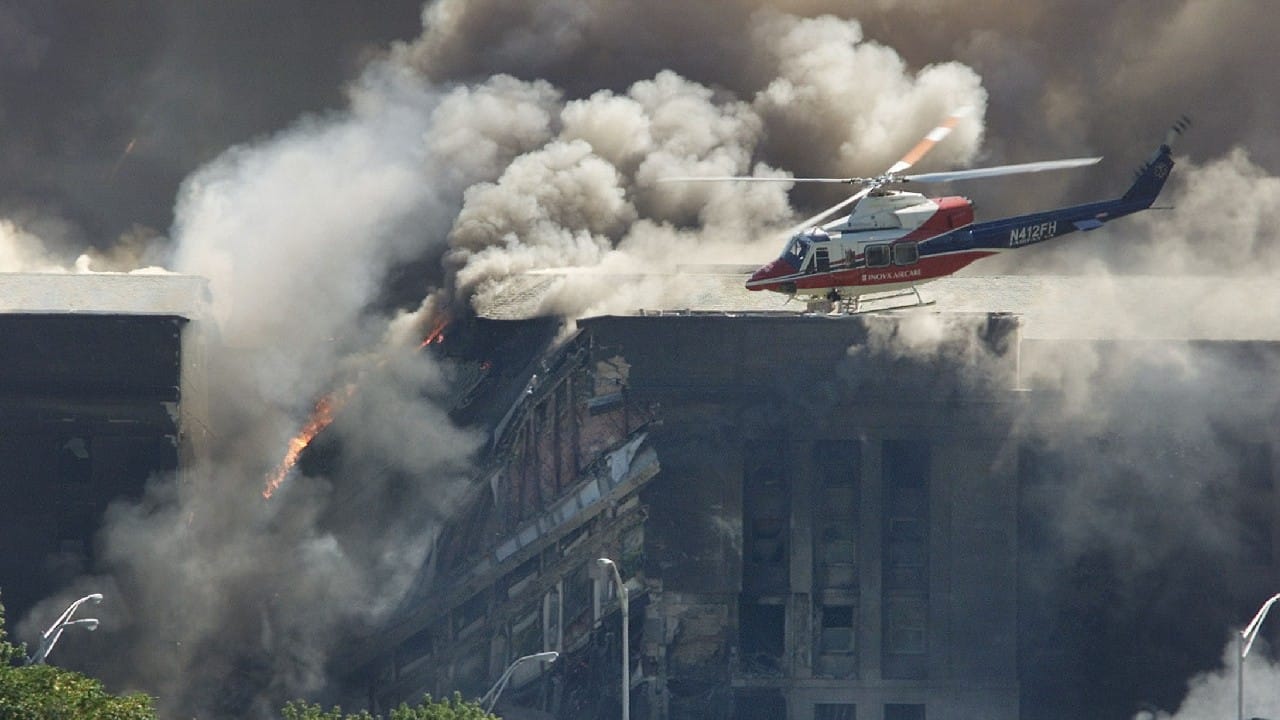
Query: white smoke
{"points": [[1215, 694]]}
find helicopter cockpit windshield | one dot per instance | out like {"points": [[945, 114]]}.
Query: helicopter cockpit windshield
{"points": [[798, 248]]}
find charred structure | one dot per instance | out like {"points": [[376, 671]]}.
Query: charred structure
{"points": [[814, 523]]}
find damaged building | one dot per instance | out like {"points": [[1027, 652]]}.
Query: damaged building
{"points": [[960, 514], [101, 387], [812, 526]]}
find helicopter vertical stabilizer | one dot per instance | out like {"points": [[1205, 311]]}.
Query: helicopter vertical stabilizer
{"points": [[1151, 176]]}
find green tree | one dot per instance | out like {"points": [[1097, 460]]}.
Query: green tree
{"points": [[452, 709], [37, 692]]}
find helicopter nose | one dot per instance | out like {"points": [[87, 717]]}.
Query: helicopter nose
{"points": [[759, 279]]}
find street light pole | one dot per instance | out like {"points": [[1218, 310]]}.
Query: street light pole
{"points": [[626, 650], [50, 636], [489, 699], [1243, 644]]}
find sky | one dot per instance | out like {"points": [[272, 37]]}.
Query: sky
{"points": [[344, 173]]}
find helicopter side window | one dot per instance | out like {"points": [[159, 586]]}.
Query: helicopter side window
{"points": [[907, 253], [877, 256], [821, 258]]}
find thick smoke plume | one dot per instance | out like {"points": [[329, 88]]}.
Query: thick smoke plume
{"points": [[511, 137]]}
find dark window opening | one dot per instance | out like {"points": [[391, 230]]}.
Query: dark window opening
{"points": [[765, 520], [905, 560], [416, 647], [761, 633]]}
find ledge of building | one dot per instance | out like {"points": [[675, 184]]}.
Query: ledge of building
{"points": [[158, 293]]}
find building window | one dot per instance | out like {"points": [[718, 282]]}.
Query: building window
{"points": [[905, 560], [577, 600], [414, 648], [765, 520], [469, 616], [761, 635], [903, 711], [526, 633], [835, 711], [551, 619], [837, 630], [837, 466]]}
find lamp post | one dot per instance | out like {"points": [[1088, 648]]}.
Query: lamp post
{"points": [[491, 698], [603, 564], [64, 621], [1243, 643]]}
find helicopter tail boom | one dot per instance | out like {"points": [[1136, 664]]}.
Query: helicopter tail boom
{"points": [[1019, 231]]}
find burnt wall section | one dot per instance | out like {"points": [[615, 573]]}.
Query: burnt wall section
{"points": [[88, 411], [513, 572], [876, 517], [833, 528]]}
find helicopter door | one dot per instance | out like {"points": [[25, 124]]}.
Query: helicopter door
{"points": [[821, 259]]}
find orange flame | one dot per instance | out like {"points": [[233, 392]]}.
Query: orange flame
{"points": [[321, 418], [324, 413], [437, 331]]}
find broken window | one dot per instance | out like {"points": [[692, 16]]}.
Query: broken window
{"points": [[526, 632], [765, 519], [761, 634], [577, 600], [519, 579], [469, 616], [414, 648]]}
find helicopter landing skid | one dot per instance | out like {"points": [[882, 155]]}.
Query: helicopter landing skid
{"points": [[867, 303]]}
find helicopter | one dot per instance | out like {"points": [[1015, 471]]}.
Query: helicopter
{"points": [[895, 240]]}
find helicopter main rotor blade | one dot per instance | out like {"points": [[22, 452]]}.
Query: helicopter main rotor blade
{"points": [[829, 211], [748, 178], [1030, 167], [934, 137]]}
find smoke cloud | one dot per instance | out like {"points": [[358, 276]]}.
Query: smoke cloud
{"points": [[510, 137]]}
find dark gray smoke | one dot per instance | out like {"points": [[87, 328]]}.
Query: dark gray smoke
{"points": [[312, 163]]}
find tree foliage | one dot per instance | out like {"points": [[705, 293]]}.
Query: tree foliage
{"points": [[36, 692], [453, 709]]}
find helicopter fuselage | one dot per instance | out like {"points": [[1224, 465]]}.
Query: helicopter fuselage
{"points": [[896, 240]]}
